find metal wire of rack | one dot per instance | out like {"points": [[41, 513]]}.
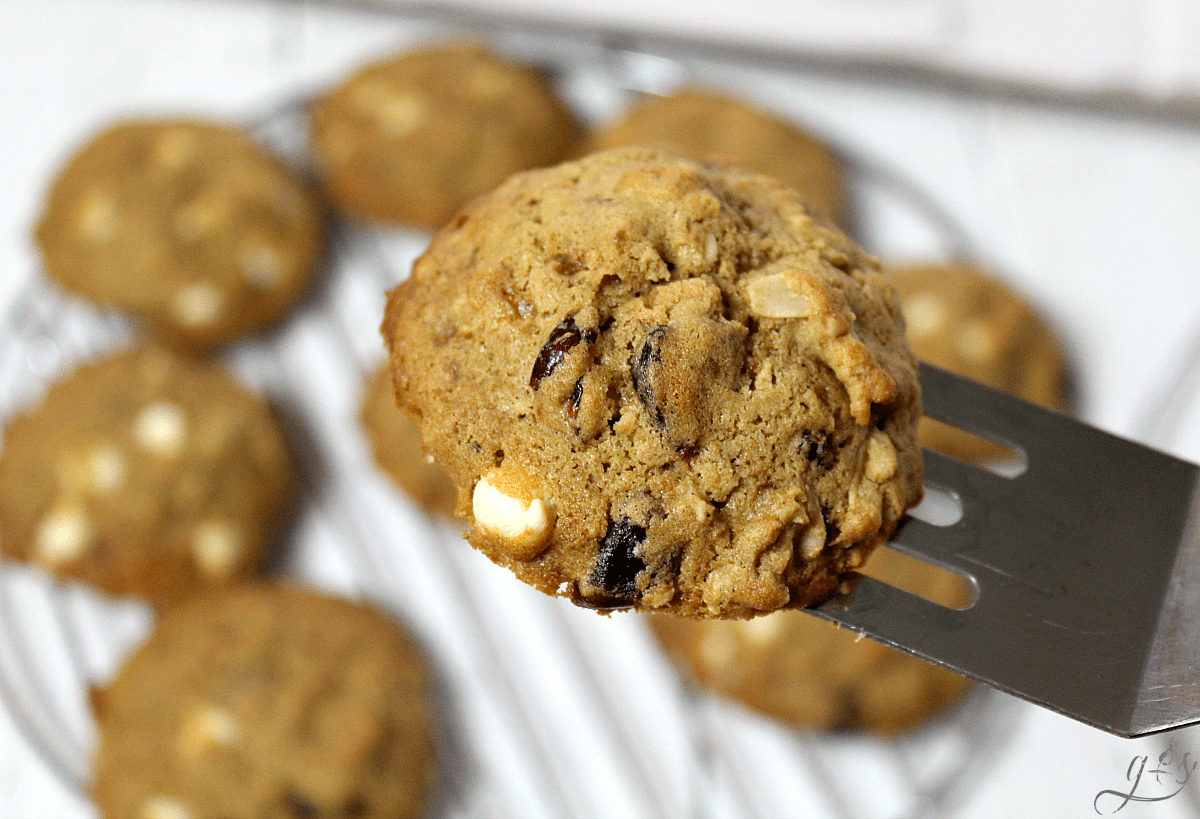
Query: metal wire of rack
{"points": [[546, 710]]}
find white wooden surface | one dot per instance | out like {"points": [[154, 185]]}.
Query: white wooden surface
{"points": [[1095, 214], [1143, 48]]}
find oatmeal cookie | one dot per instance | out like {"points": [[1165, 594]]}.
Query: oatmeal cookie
{"points": [[145, 474], [271, 702], [661, 384], [968, 321], [395, 441], [705, 124], [188, 225], [809, 673], [409, 139]]}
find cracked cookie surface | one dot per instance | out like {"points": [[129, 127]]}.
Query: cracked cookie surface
{"points": [[188, 225], [267, 701], [661, 384], [148, 474]]}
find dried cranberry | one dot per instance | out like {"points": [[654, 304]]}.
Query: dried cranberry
{"points": [[563, 338], [617, 567], [642, 371]]}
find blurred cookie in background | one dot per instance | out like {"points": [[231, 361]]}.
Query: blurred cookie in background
{"points": [[968, 321], [267, 701], [395, 442], [409, 139], [811, 674], [708, 125], [189, 225], [146, 474]]}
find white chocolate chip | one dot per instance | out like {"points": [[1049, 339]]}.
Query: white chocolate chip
{"points": [[198, 304], [207, 729], [400, 115], [161, 428], [262, 263], [523, 526], [164, 807], [216, 546], [97, 217], [925, 314], [105, 467], [173, 148], [396, 111], [773, 296], [881, 457], [978, 342], [62, 536], [710, 249], [199, 218]]}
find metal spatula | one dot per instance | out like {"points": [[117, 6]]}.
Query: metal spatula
{"points": [[1087, 568]]}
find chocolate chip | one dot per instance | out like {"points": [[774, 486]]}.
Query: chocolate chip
{"points": [[818, 449], [617, 567], [562, 339], [643, 376]]}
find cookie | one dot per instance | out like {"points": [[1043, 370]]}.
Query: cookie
{"points": [[409, 139], [145, 474], [809, 673], [705, 124], [395, 441], [188, 225], [661, 384], [968, 321], [266, 701]]}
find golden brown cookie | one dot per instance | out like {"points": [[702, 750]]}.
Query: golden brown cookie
{"points": [[708, 125], [795, 667], [396, 444], [266, 702], [145, 474], [189, 225], [661, 384], [965, 320], [409, 139]]}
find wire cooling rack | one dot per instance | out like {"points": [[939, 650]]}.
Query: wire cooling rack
{"points": [[546, 710]]}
